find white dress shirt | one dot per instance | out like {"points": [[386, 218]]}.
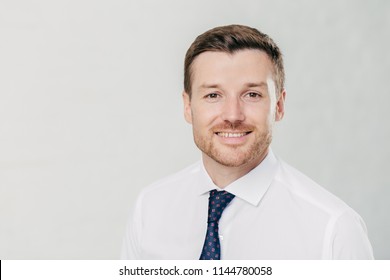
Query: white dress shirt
{"points": [[278, 213]]}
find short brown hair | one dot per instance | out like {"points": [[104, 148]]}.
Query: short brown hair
{"points": [[232, 38]]}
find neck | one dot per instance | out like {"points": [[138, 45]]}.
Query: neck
{"points": [[223, 175]]}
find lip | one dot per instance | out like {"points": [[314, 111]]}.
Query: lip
{"points": [[232, 137]]}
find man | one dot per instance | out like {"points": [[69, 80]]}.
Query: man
{"points": [[240, 201]]}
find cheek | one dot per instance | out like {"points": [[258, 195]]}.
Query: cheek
{"points": [[204, 116], [260, 115]]}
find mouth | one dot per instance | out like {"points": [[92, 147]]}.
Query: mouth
{"points": [[232, 134]]}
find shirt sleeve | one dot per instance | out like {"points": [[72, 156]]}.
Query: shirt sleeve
{"points": [[131, 240], [350, 240]]}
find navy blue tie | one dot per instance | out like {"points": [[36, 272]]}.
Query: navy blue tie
{"points": [[218, 201]]}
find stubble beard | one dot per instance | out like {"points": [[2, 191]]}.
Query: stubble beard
{"points": [[235, 155]]}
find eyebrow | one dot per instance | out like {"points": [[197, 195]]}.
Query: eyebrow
{"points": [[250, 85], [261, 84], [209, 86]]}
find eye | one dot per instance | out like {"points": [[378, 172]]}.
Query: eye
{"points": [[212, 95], [252, 96]]}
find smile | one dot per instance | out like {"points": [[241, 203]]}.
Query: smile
{"points": [[232, 134]]}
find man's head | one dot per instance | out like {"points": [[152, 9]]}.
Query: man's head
{"points": [[230, 39], [233, 94]]}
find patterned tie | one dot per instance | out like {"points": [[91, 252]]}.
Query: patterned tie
{"points": [[218, 201]]}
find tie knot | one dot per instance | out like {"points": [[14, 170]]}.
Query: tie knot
{"points": [[218, 201]]}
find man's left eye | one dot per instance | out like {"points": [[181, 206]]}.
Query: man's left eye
{"points": [[253, 95]]}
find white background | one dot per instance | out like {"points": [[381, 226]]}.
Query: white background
{"points": [[91, 112]]}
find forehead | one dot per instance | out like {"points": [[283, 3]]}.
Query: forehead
{"points": [[244, 66]]}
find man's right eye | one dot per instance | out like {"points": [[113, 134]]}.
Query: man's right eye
{"points": [[212, 95]]}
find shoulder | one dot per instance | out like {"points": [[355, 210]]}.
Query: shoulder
{"points": [[345, 233], [177, 182], [307, 191]]}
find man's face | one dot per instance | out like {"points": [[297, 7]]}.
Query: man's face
{"points": [[233, 106]]}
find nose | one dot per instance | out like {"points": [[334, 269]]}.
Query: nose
{"points": [[232, 110]]}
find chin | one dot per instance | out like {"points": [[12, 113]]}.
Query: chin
{"points": [[233, 159], [235, 156]]}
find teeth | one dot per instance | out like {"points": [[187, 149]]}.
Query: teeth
{"points": [[231, 135]]}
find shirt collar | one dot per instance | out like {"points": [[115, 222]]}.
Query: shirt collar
{"points": [[250, 187]]}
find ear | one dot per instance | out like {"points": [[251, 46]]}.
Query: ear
{"points": [[187, 107], [279, 113]]}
